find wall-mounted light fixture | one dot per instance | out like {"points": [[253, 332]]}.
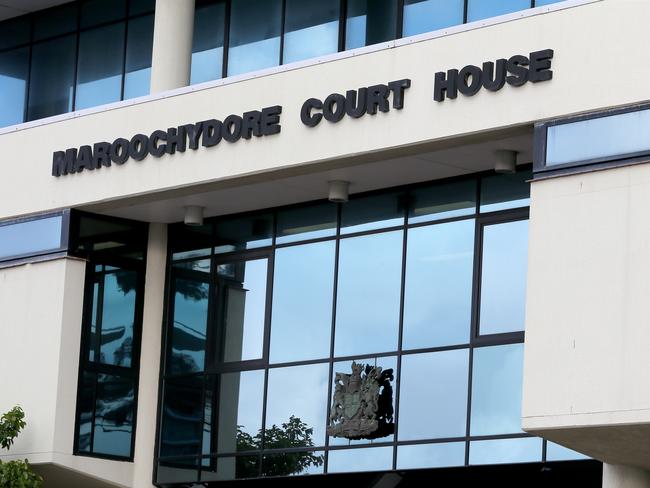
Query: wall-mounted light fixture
{"points": [[339, 191], [506, 161], [193, 215]]}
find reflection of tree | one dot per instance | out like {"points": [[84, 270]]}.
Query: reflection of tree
{"points": [[292, 434]]}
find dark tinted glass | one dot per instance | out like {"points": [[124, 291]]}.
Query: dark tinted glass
{"points": [[293, 463], [500, 451], [429, 15], [244, 233], [141, 6], [14, 32], [113, 415], [182, 470], [370, 22], [301, 223], [482, 9], [438, 294], [85, 407], [31, 237], [231, 468], [99, 70], [190, 241], [503, 277], [501, 192], [14, 66], [356, 460], [139, 45], [311, 29], [55, 21], [431, 455], [302, 302], [374, 212], [442, 201], [207, 44], [255, 27], [182, 419], [52, 77], [368, 295], [95, 12]]}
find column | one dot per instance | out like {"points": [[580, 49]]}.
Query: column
{"points": [[172, 44], [154, 298], [618, 476]]}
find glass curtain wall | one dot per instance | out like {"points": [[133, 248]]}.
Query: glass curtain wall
{"points": [[267, 308], [75, 56]]}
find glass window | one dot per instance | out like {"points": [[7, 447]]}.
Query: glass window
{"points": [[302, 302], [190, 241], [182, 419], [539, 3], [368, 295], [482, 9], [113, 416], [504, 191], [255, 27], [190, 324], [242, 293], [311, 29], [182, 470], [429, 15], [55, 21], [431, 455], [30, 237], [503, 277], [442, 201], [231, 468], [15, 32], [370, 22], [207, 45], [438, 293], [141, 6], [293, 464], [86, 408], [138, 57], [311, 222], [556, 452], [240, 412], [306, 386], [244, 233], [52, 78], [95, 12], [525, 450], [99, 72], [497, 377], [357, 460], [374, 212], [14, 66], [433, 395]]}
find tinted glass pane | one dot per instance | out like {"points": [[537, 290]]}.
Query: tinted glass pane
{"points": [[190, 326], [94, 319], [244, 233], [55, 21], [431, 455], [442, 201], [99, 75], [433, 395], [255, 27], [306, 387], [311, 29], [95, 12], [240, 411], [182, 417], [500, 192], [365, 459], [207, 45], [497, 377], [505, 451], [113, 416], [370, 22], [429, 15], [503, 277], [230, 468], [117, 316], [293, 464], [438, 294], [85, 409], [300, 223], [302, 302], [188, 241], [34, 236], [242, 291], [368, 296], [14, 32], [141, 6], [52, 78], [14, 66], [373, 212], [555, 452], [139, 44], [183, 470], [482, 9]]}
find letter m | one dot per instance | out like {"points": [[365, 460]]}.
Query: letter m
{"points": [[63, 162]]}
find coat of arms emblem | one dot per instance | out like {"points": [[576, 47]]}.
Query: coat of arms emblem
{"points": [[362, 407]]}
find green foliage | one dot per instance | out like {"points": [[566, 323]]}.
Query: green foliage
{"points": [[15, 474]]}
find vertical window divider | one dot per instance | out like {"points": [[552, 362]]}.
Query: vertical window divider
{"points": [[124, 53], [283, 17], [226, 39], [343, 14], [29, 68], [465, 10], [399, 19], [76, 58]]}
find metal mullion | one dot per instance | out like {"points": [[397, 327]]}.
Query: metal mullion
{"points": [[361, 446], [343, 13], [399, 20], [468, 419], [465, 11], [226, 39], [91, 448], [264, 401], [304, 362], [283, 19], [29, 68], [99, 318], [544, 450], [76, 60], [124, 54], [454, 347]]}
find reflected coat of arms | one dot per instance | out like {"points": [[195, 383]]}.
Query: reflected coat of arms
{"points": [[362, 407]]}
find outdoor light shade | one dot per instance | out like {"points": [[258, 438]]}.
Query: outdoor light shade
{"points": [[339, 191], [506, 161], [193, 215]]}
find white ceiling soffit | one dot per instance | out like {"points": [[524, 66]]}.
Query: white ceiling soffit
{"points": [[14, 8]]}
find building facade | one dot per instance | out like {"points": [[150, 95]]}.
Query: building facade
{"points": [[386, 242]]}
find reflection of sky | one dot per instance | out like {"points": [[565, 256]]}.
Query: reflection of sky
{"points": [[430, 15], [431, 455], [190, 317], [98, 92], [136, 83], [505, 451], [555, 452], [433, 395], [302, 302], [246, 389], [12, 100], [355, 32], [367, 312], [503, 280], [482, 9], [438, 295], [253, 56], [31, 236], [206, 65], [118, 311], [300, 391], [255, 284], [496, 389], [316, 40], [364, 459]]}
